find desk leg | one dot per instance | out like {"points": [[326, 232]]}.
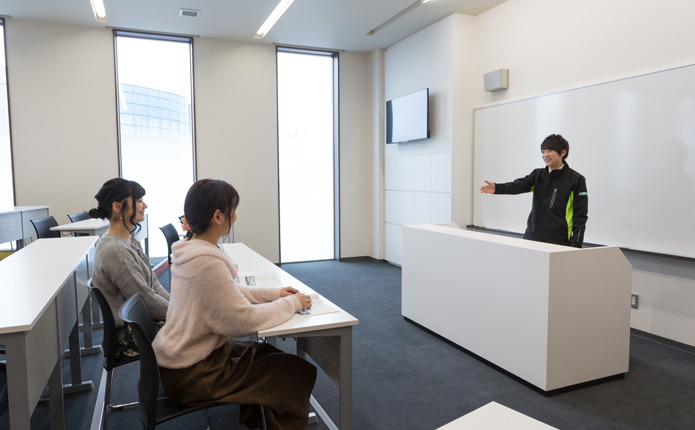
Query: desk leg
{"points": [[77, 384], [17, 382], [55, 393], [87, 325], [332, 351], [346, 379]]}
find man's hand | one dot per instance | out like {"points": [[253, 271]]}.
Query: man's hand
{"points": [[488, 188]]}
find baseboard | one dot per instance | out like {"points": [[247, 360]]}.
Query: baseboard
{"points": [[363, 258], [664, 341], [341, 260]]}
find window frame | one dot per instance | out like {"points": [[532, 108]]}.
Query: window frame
{"points": [[162, 37], [335, 55]]}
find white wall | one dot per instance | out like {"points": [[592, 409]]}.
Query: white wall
{"points": [[236, 133], [63, 114], [357, 176], [63, 121], [550, 45], [419, 176]]}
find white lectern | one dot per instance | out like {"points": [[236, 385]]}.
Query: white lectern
{"points": [[552, 315]]}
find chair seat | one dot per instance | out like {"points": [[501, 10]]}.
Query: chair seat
{"points": [[120, 362], [168, 410]]}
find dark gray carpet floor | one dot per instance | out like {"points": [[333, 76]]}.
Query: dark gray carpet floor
{"points": [[406, 378]]}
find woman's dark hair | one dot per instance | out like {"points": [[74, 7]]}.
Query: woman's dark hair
{"points": [[204, 198], [557, 143], [117, 190]]}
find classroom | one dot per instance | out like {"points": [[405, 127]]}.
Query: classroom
{"points": [[64, 134]]}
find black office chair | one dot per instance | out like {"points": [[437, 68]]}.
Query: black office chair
{"points": [[154, 410], [43, 227], [108, 346], [171, 235], [80, 216]]}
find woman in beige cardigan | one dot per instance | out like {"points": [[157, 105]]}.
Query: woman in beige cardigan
{"points": [[198, 357]]}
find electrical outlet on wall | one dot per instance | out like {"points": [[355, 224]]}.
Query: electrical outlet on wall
{"points": [[634, 303]]}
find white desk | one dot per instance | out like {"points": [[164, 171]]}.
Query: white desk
{"points": [[494, 416], [326, 338], [97, 227], [15, 223], [552, 315], [40, 294], [90, 226]]}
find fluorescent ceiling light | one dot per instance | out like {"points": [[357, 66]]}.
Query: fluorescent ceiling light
{"points": [[99, 10], [272, 18]]}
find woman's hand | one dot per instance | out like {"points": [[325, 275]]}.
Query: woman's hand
{"points": [[304, 300], [288, 291]]}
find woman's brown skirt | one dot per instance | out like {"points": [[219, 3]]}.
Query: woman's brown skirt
{"points": [[248, 373]]}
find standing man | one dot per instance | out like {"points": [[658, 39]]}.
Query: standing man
{"points": [[560, 201]]}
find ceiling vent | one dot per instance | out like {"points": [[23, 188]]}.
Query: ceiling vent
{"points": [[189, 12]]}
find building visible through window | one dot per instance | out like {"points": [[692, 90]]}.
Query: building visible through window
{"points": [[155, 117]]}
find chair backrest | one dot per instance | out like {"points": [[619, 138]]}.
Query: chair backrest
{"points": [[43, 227], [110, 339], [80, 216], [171, 235], [136, 313]]}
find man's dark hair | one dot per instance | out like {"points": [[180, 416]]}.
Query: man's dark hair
{"points": [[556, 143]]}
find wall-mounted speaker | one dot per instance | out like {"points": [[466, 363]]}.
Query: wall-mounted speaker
{"points": [[496, 80]]}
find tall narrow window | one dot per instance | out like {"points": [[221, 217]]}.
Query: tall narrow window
{"points": [[155, 116], [307, 142], [6, 180]]}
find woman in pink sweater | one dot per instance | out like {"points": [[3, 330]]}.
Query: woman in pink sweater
{"points": [[199, 359]]}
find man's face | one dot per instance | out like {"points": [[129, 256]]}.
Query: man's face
{"points": [[552, 159]]}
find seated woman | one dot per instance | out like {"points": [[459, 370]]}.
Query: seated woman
{"points": [[199, 359], [121, 268]]}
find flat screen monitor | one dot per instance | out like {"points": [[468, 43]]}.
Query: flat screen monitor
{"points": [[407, 117]]}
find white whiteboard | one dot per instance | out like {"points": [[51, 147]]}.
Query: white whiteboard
{"points": [[633, 140]]}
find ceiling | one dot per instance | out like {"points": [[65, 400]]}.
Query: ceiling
{"points": [[328, 24]]}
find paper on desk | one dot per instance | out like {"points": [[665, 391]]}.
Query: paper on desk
{"points": [[258, 279], [318, 306]]}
